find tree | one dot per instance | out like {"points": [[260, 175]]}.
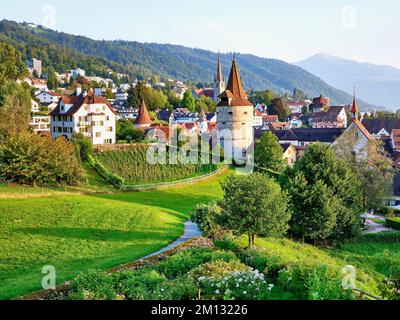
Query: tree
{"points": [[263, 97], [15, 108], [254, 205], [322, 180], [281, 108], [11, 65], [208, 219], [269, 153], [188, 101], [126, 132], [52, 81], [372, 167], [298, 95], [138, 93]]}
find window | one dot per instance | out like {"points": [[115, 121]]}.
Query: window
{"points": [[86, 108], [110, 129], [107, 118], [98, 134], [107, 141]]}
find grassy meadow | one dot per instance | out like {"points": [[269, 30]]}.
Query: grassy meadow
{"points": [[76, 231]]}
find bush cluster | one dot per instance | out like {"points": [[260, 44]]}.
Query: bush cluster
{"points": [[111, 178]]}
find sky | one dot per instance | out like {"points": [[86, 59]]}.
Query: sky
{"points": [[290, 30]]}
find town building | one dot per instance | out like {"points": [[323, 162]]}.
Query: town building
{"points": [[48, 97], [40, 124], [75, 73], [258, 119], [319, 104], [86, 113], [289, 153], [34, 65], [235, 117], [334, 117], [127, 113], [381, 128]]}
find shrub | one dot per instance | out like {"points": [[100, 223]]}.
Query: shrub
{"points": [[249, 285], [269, 265], [31, 159], [140, 285], [111, 178], [218, 269], [92, 285], [319, 283], [84, 145], [393, 223], [182, 288], [206, 217], [185, 261], [390, 287]]}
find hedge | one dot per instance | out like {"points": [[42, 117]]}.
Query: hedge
{"points": [[110, 177], [393, 223]]}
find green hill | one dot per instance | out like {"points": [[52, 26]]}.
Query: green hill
{"points": [[143, 59]]}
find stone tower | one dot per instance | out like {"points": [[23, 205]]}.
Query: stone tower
{"points": [[219, 83], [235, 118]]}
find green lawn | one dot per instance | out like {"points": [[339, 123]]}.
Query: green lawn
{"points": [[75, 232], [376, 253]]}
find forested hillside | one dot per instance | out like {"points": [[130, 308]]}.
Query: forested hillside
{"points": [[64, 51]]}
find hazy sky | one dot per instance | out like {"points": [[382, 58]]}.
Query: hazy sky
{"points": [[291, 30]]}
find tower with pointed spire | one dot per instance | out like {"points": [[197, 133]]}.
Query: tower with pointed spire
{"points": [[143, 119], [235, 116], [219, 82], [354, 108]]}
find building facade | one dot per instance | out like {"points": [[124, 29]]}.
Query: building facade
{"points": [[87, 114]]}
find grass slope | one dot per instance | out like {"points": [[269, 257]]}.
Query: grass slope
{"points": [[291, 253], [75, 232]]}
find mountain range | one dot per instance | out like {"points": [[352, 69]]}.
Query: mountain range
{"points": [[379, 85], [63, 51]]}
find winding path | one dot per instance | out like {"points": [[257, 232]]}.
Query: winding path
{"points": [[191, 231]]}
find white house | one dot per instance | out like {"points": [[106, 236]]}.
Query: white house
{"points": [[257, 119], [121, 96], [34, 106], [87, 114], [40, 124], [78, 72], [48, 97]]}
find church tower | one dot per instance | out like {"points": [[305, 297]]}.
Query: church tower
{"points": [[235, 117], [219, 83]]}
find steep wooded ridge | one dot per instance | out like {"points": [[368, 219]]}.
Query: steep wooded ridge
{"points": [[62, 50]]}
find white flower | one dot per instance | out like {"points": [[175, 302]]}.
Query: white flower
{"points": [[216, 291], [244, 292]]}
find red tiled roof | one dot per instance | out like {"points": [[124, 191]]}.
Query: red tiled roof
{"points": [[78, 102], [143, 117], [206, 92], [271, 118]]}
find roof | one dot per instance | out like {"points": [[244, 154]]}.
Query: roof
{"points": [[330, 115], [234, 95], [78, 102], [210, 116], [257, 113], [207, 92], [164, 115], [271, 118], [286, 146], [374, 126], [328, 135], [362, 128], [321, 101], [143, 116]]}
